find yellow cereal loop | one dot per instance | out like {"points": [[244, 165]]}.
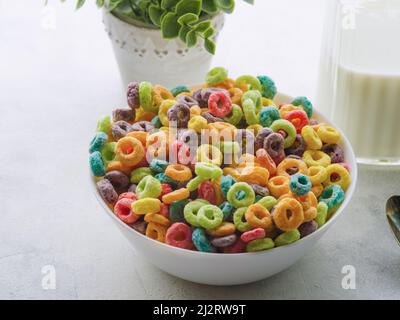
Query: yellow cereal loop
{"points": [[162, 112], [146, 205], [317, 174], [267, 102], [337, 174], [195, 111], [198, 123], [316, 158], [311, 138], [329, 134]]}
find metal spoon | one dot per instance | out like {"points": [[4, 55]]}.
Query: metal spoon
{"points": [[393, 215]]}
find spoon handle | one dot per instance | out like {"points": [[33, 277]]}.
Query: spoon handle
{"points": [[393, 214]]}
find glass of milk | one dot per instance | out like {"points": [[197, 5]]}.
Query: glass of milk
{"points": [[359, 83]]}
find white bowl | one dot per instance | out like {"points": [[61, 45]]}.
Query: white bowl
{"points": [[230, 269]]}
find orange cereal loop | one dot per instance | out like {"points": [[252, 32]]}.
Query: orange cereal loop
{"points": [[226, 130], [248, 160], [290, 166], [163, 92], [317, 189], [119, 166], [156, 231], [236, 95], [242, 86], [258, 216], [176, 195], [288, 214], [229, 171], [157, 218], [140, 135], [178, 172], [218, 192], [129, 151], [256, 175], [285, 109], [265, 161], [224, 229], [227, 84], [279, 186]]}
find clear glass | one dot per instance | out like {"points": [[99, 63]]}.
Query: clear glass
{"points": [[359, 83]]}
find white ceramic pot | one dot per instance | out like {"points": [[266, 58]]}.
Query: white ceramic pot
{"points": [[230, 269], [142, 54]]}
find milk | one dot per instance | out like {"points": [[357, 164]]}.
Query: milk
{"points": [[367, 109], [359, 87]]}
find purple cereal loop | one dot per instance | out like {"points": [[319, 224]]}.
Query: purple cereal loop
{"points": [[120, 129], [139, 226], [142, 126], [261, 191], [298, 147], [189, 101], [124, 114], [223, 242], [261, 135], [180, 114], [107, 191], [202, 95], [210, 118], [132, 188], [335, 152], [307, 228], [119, 180], [274, 145], [132, 95]]}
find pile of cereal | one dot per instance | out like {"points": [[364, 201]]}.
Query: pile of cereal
{"points": [[219, 168]]}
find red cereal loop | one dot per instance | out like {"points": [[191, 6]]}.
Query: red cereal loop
{"points": [[164, 211], [127, 195], [123, 211], [298, 118], [165, 189], [219, 104], [254, 234], [206, 191], [238, 247], [179, 235]]}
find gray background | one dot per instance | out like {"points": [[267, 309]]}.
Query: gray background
{"points": [[54, 83]]}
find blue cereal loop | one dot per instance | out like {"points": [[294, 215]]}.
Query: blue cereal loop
{"points": [[179, 89], [201, 242], [300, 184], [97, 165], [268, 87], [268, 115], [333, 196], [98, 142], [305, 104]]}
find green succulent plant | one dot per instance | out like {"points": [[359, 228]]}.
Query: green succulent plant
{"points": [[187, 19]]}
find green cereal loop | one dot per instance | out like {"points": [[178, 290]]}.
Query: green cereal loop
{"points": [[226, 209], [108, 151], [268, 87], [268, 202], [148, 187], [268, 115], [250, 80], [210, 217], [249, 195], [249, 111], [286, 126], [104, 124], [207, 170], [179, 89], [305, 104], [287, 238], [97, 164], [260, 245], [146, 97], [176, 210], [194, 183], [235, 116], [138, 174], [158, 165], [322, 209], [241, 225], [191, 209], [216, 75], [254, 96]]}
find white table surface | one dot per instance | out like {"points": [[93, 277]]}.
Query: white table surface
{"points": [[55, 83]]}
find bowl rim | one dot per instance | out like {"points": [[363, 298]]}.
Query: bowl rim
{"points": [[349, 194]]}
